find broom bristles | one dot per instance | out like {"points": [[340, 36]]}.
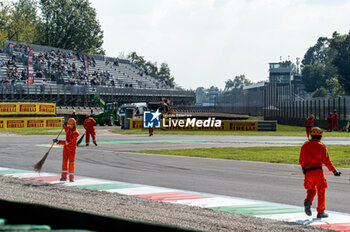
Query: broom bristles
{"points": [[38, 166]]}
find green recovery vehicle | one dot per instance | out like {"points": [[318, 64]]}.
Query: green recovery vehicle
{"points": [[109, 116]]}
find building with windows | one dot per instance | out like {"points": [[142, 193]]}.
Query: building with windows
{"points": [[281, 73]]}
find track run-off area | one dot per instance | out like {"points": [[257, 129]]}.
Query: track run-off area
{"points": [[265, 190]]}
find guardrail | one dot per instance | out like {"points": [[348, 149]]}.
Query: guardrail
{"points": [[267, 125]]}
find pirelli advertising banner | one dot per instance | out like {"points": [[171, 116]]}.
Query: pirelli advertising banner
{"points": [[27, 108], [200, 124], [22, 123]]}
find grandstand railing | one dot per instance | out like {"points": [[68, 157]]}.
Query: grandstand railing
{"points": [[42, 48], [85, 89]]}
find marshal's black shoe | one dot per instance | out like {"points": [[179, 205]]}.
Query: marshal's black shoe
{"points": [[307, 206], [322, 215]]}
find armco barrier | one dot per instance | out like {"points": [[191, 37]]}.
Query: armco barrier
{"points": [[57, 218], [226, 125], [14, 108], [22, 123]]}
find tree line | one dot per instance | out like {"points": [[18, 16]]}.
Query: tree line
{"points": [[326, 66], [325, 70], [68, 24], [161, 73]]}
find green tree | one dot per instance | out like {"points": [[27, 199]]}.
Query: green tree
{"points": [[19, 21], [318, 67], [320, 92], [70, 24], [334, 87], [136, 59], [317, 53], [151, 68], [237, 83], [5, 19], [132, 57], [164, 74], [201, 95], [341, 46], [24, 23]]}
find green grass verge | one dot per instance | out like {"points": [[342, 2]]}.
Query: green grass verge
{"points": [[340, 155], [282, 130], [30, 131], [35, 131]]}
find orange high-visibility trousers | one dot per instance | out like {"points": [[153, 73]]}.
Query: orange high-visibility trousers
{"points": [[68, 157], [308, 129], [315, 182], [93, 135]]}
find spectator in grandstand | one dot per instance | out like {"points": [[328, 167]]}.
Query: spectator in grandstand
{"points": [[309, 123], [43, 84], [112, 81], [24, 74], [11, 62], [330, 122], [335, 120], [39, 74], [5, 81]]}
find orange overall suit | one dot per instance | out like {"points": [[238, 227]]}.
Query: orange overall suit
{"points": [[69, 149], [313, 155], [309, 122], [89, 124], [335, 120]]}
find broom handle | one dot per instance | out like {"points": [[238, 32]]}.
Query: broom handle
{"points": [[56, 138]]}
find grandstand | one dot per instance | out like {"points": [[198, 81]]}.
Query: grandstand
{"points": [[71, 78]]}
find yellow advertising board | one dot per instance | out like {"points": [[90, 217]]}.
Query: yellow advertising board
{"points": [[209, 124], [27, 108], [21, 123]]}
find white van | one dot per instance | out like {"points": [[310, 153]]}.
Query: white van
{"points": [[139, 109]]}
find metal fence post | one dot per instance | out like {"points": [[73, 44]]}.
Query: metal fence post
{"points": [[344, 108]]}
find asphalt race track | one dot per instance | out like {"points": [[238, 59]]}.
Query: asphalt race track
{"points": [[112, 160]]}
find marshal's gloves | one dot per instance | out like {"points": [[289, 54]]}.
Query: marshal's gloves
{"points": [[336, 173], [55, 140]]}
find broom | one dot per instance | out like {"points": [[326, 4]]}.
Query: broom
{"points": [[80, 140], [37, 167]]}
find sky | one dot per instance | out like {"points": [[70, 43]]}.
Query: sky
{"points": [[206, 42]]}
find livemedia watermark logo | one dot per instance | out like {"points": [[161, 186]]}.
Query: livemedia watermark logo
{"points": [[152, 119]]}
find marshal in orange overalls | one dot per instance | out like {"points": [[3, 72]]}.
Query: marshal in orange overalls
{"points": [[309, 123], [313, 155], [69, 150], [335, 120], [89, 125]]}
